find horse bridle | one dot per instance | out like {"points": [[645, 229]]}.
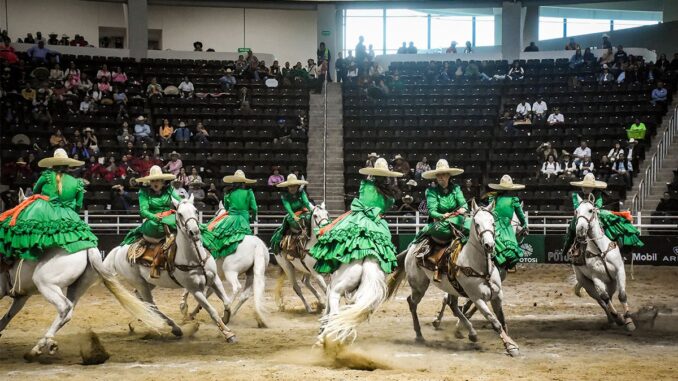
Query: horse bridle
{"points": [[480, 233], [202, 261], [587, 219]]}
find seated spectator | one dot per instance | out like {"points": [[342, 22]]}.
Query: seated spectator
{"points": [[39, 54], [175, 165], [7, 52], [57, 139], [86, 106], [452, 49], [620, 57], [523, 110], [402, 49], [605, 76], [120, 199], [195, 190], [104, 86], [509, 123], [104, 73], [72, 70], [576, 60], [311, 69], [607, 58], [421, 167], [586, 166], [118, 76], [201, 135], [182, 134], [659, 94], [154, 89], [411, 49], [143, 165], [79, 149], [550, 168], [227, 81], [539, 109], [589, 57], [473, 72], [166, 131], [572, 45], [142, 131], [125, 136], [401, 165], [352, 70], [604, 168], [213, 196], [274, 70], [581, 152], [532, 47], [186, 88], [56, 74], [194, 176], [621, 170], [28, 93], [90, 140], [469, 48], [119, 96], [616, 151], [556, 117], [546, 149], [667, 204], [468, 190], [568, 170], [516, 71], [84, 85], [375, 70], [275, 178]]}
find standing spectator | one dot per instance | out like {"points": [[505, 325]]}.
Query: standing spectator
{"points": [[411, 49], [341, 67], [659, 95], [532, 47], [606, 42], [523, 110], [586, 166], [120, 199], [174, 165], [539, 109], [469, 48], [370, 53], [142, 131], [201, 135], [360, 51], [581, 152], [572, 45], [633, 155], [154, 89], [39, 54], [556, 117], [620, 57], [323, 54], [452, 49], [90, 141], [421, 167], [182, 134], [186, 88], [166, 131], [275, 178], [550, 168]]}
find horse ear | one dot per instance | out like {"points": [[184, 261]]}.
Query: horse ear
{"points": [[22, 195], [175, 203], [322, 205], [579, 200], [221, 205], [190, 199], [492, 205], [474, 206]]}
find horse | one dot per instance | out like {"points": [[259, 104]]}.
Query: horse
{"points": [[602, 272], [251, 257], [476, 276], [195, 269], [55, 271], [305, 266]]}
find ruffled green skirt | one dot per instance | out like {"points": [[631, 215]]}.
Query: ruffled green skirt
{"points": [[362, 233], [227, 234], [288, 222], [507, 252], [616, 228], [151, 228], [43, 225]]}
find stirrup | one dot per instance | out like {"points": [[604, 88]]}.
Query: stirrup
{"points": [[436, 275], [169, 241]]}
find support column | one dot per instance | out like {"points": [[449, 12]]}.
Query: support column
{"points": [[497, 26], [137, 28], [328, 31], [511, 30], [531, 26]]}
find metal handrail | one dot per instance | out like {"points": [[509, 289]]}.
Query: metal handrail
{"points": [[325, 134], [656, 163]]}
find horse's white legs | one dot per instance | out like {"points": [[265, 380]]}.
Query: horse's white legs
{"points": [[202, 300], [64, 307], [183, 305], [17, 304], [307, 282], [245, 294], [218, 288], [509, 344], [604, 295], [144, 293], [344, 280], [419, 283], [462, 318], [621, 285]]}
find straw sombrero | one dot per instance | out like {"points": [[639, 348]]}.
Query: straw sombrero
{"points": [[291, 181], [506, 183], [156, 174], [380, 169], [373, 154], [589, 181], [238, 177], [60, 158], [442, 167]]}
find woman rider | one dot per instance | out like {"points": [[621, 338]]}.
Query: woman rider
{"points": [[361, 232], [617, 228], [229, 229], [50, 217], [446, 206], [507, 251], [298, 208]]}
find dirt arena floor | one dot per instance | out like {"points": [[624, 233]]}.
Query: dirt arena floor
{"points": [[559, 334]]}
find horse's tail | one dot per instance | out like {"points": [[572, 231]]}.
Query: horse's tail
{"points": [[137, 308], [396, 278], [340, 327], [261, 258]]}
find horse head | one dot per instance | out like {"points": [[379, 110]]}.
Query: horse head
{"points": [[188, 222], [483, 226], [319, 216], [585, 213]]}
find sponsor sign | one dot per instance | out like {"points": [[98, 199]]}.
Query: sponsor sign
{"points": [[533, 249], [243, 50], [325, 33]]}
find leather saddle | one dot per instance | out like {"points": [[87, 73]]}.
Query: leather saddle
{"points": [[439, 257], [153, 253], [294, 245]]}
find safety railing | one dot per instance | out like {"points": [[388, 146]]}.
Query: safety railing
{"points": [[325, 133], [656, 163]]}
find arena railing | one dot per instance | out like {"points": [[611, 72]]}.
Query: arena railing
{"points": [[656, 163]]}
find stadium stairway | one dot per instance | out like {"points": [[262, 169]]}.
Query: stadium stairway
{"points": [[334, 197]]}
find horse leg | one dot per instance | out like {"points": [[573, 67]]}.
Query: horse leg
{"points": [[201, 298], [419, 287], [232, 278], [604, 295], [218, 288], [439, 318], [509, 344], [197, 308], [499, 312], [621, 285], [469, 309], [56, 297], [307, 283], [287, 269], [341, 283], [454, 305], [297, 290], [144, 292], [245, 294], [183, 305], [17, 304]]}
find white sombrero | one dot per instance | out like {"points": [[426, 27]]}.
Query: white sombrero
{"points": [[60, 158], [589, 181], [156, 174], [291, 181], [380, 169], [442, 167], [506, 183], [238, 177]]}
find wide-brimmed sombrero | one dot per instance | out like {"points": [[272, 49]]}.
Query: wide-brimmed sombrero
{"points": [[506, 183], [380, 169], [60, 158], [156, 174], [442, 167], [292, 180], [238, 177], [589, 181]]}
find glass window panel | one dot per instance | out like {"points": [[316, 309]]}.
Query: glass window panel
{"points": [[445, 29], [626, 24], [364, 12], [576, 27], [484, 30], [550, 27], [405, 13], [406, 29], [372, 28]]}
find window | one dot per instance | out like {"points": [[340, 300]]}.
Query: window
{"points": [[404, 25], [445, 29], [484, 30], [368, 23], [626, 24], [577, 27], [550, 27]]}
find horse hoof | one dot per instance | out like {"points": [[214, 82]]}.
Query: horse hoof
{"points": [[473, 338], [420, 340], [232, 340], [52, 347], [261, 324], [183, 307], [458, 334], [436, 324], [629, 325], [513, 351], [176, 331]]}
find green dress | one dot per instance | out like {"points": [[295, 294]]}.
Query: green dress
{"points": [[152, 204], [293, 204], [358, 234], [227, 234], [616, 228], [46, 224], [439, 202], [507, 251]]}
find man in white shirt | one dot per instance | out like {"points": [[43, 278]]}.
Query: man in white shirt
{"points": [[186, 88], [581, 152], [556, 117], [523, 110], [539, 109]]}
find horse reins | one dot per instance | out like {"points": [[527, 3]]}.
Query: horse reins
{"points": [[188, 267]]}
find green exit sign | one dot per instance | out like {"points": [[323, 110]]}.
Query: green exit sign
{"points": [[325, 32], [243, 50]]}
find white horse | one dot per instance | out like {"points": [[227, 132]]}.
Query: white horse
{"points": [[305, 266], [602, 273], [251, 257], [195, 269], [55, 271], [476, 275]]}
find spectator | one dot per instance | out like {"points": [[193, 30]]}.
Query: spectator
{"points": [[539, 109], [468, 190], [402, 49], [509, 123], [523, 110], [572, 45], [605, 76], [468, 49], [532, 47], [174, 165], [589, 57], [179, 188], [401, 165], [616, 151], [586, 166], [56, 74], [633, 154], [550, 168], [546, 149], [370, 53], [52, 40], [72, 70], [411, 49], [375, 70], [28, 93], [39, 54], [194, 176], [186, 88], [581, 152], [197, 46], [120, 199], [473, 72], [667, 204], [620, 57], [576, 60], [195, 190], [166, 131], [90, 140], [371, 159], [275, 178], [568, 170], [604, 168], [621, 170], [182, 134], [659, 95], [7, 53], [341, 67], [154, 89], [84, 85], [103, 73], [104, 86], [201, 135], [421, 167], [311, 69], [119, 96], [86, 106], [119, 76], [227, 81], [556, 118], [80, 150], [213, 196], [606, 42], [57, 139], [142, 131], [323, 54], [360, 51], [125, 136], [452, 49], [607, 58]]}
